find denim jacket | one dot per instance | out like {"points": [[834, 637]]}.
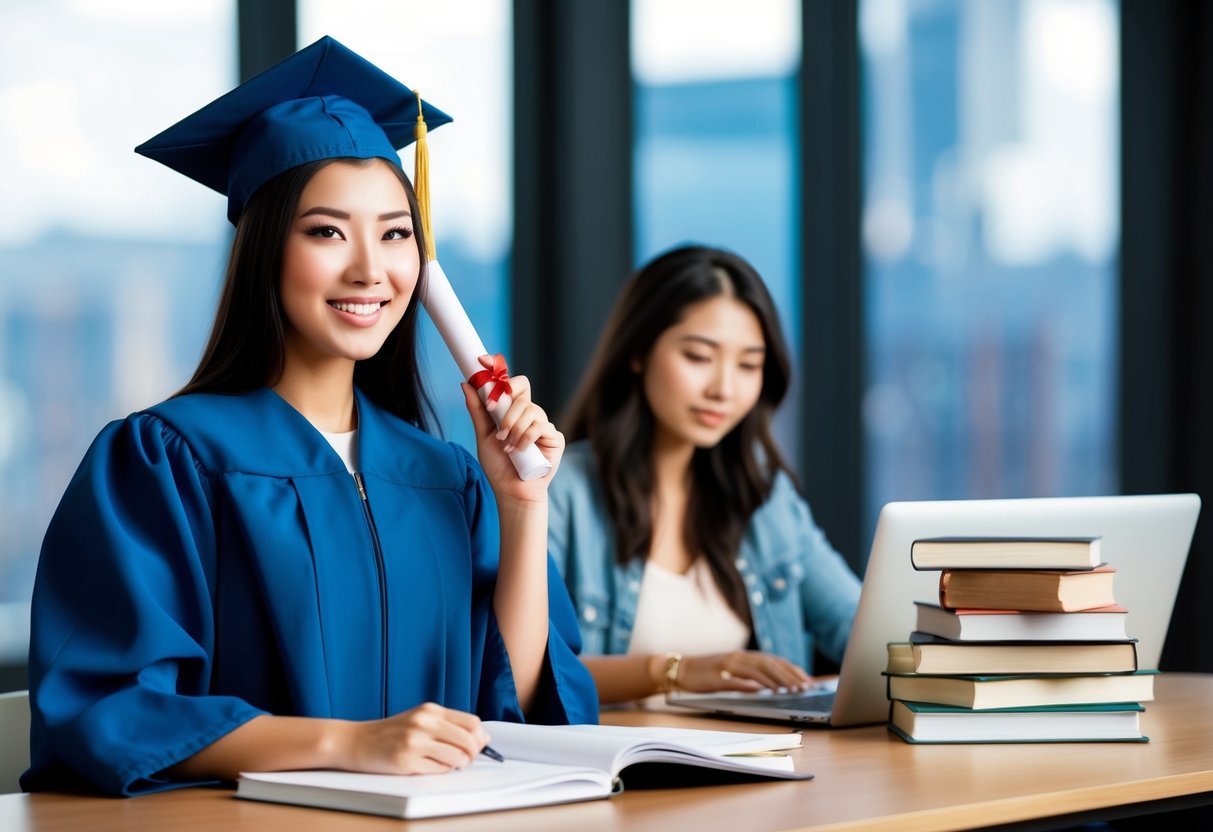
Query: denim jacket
{"points": [[802, 594]]}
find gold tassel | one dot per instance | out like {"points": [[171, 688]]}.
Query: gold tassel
{"points": [[421, 180]]}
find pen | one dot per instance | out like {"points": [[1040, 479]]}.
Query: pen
{"points": [[492, 754]]}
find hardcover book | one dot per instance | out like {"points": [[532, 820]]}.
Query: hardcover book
{"points": [[917, 722], [1098, 624], [986, 692], [929, 654], [1005, 553], [1024, 589]]}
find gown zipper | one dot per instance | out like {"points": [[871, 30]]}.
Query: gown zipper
{"points": [[382, 574]]}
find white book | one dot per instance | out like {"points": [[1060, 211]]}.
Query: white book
{"points": [[544, 764], [919, 722], [1098, 624]]}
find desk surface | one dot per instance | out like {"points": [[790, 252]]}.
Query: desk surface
{"points": [[866, 779]]}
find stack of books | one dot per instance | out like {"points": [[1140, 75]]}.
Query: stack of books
{"points": [[1026, 644]]}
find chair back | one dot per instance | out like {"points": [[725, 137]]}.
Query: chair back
{"points": [[14, 739]]}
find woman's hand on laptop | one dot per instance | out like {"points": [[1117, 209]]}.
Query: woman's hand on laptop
{"points": [[743, 670]]}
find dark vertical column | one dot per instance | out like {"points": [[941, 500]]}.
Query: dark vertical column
{"points": [[831, 382], [1148, 251], [267, 33], [1167, 283], [572, 184]]}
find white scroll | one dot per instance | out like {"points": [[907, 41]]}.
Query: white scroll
{"points": [[466, 348]]}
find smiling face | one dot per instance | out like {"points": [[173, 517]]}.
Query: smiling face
{"points": [[349, 265], [704, 373]]}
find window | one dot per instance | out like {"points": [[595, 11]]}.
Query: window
{"points": [[990, 228], [110, 264], [716, 148]]}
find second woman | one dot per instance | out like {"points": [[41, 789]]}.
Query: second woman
{"points": [[692, 559]]}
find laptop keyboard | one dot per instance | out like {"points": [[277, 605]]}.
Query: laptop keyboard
{"points": [[814, 702], [810, 702]]}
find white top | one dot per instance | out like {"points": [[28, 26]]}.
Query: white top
{"points": [[685, 614], [346, 446]]}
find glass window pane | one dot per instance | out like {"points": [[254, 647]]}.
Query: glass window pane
{"points": [[110, 263], [460, 57], [991, 154], [715, 155]]}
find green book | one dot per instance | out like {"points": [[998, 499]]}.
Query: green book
{"points": [[919, 722], [1024, 690]]}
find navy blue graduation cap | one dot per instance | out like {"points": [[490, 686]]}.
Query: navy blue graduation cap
{"points": [[323, 102]]}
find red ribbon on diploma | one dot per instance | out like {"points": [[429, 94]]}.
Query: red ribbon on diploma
{"points": [[499, 374]]}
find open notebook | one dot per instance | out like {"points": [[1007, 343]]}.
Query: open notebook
{"points": [[544, 764]]}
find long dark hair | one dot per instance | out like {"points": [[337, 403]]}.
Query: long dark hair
{"points": [[729, 481], [247, 346]]}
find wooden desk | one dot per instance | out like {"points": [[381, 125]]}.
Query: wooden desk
{"points": [[866, 779]]}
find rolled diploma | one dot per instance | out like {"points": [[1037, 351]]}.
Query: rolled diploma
{"points": [[466, 348]]}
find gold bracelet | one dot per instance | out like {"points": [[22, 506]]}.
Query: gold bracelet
{"points": [[673, 661]]}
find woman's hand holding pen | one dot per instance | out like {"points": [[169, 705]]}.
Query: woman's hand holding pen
{"points": [[524, 423], [746, 670], [428, 739]]}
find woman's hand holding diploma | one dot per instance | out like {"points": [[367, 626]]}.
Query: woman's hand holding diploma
{"points": [[517, 426], [468, 350]]}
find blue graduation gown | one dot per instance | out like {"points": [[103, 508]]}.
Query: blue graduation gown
{"points": [[212, 560]]}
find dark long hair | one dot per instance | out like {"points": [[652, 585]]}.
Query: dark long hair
{"points": [[729, 481], [247, 346]]}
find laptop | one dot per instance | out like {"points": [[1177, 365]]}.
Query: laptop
{"points": [[1146, 538]]}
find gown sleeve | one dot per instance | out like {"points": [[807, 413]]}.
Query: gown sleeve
{"points": [[566, 692], [122, 626]]}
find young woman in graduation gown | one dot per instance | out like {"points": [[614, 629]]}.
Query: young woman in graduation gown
{"points": [[692, 559], [216, 591]]}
